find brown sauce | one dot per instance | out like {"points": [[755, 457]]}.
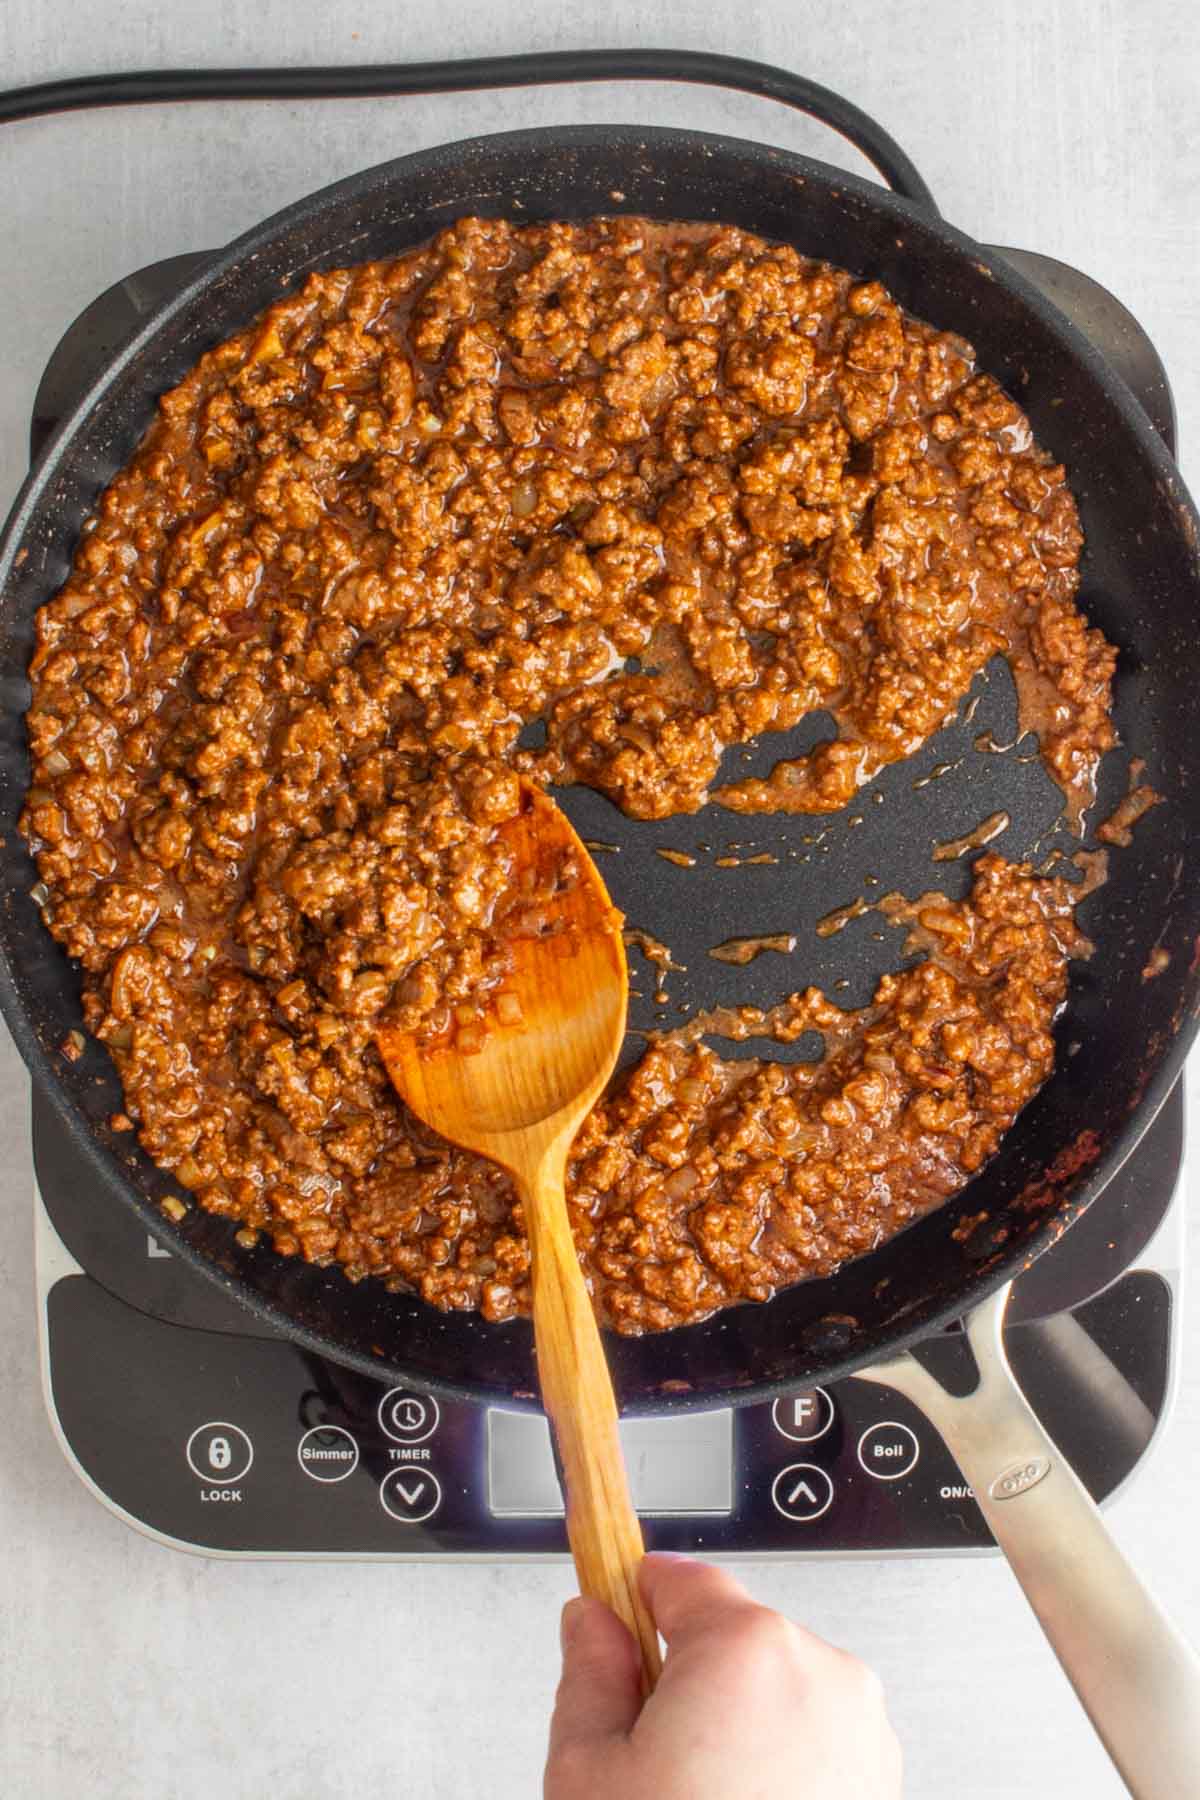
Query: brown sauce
{"points": [[841, 916], [1141, 798], [984, 832], [744, 950]]}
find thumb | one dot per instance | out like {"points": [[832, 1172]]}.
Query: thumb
{"points": [[599, 1696]]}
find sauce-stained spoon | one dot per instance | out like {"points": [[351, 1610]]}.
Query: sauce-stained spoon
{"points": [[517, 1092]]}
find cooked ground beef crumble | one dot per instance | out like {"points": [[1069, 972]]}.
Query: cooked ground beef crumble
{"points": [[664, 488]]}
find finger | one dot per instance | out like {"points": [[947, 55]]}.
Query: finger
{"points": [[599, 1696], [687, 1597]]}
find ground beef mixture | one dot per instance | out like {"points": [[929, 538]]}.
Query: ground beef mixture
{"points": [[658, 490]]}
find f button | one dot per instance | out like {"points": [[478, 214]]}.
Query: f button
{"points": [[804, 1416]]}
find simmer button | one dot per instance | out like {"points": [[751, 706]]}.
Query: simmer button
{"points": [[327, 1453]]}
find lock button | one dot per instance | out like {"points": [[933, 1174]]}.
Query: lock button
{"points": [[219, 1453]]}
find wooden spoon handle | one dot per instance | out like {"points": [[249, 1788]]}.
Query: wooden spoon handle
{"points": [[603, 1529]]}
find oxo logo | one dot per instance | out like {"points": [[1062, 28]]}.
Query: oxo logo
{"points": [[1019, 1478]]}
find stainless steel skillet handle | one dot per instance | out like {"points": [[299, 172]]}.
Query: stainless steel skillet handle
{"points": [[1138, 1678]]}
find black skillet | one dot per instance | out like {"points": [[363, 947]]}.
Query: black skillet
{"points": [[1123, 1035]]}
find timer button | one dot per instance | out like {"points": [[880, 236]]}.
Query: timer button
{"points": [[408, 1418]]}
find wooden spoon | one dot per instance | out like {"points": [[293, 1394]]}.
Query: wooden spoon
{"points": [[519, 1096]]}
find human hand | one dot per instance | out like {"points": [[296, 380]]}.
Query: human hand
{"points": [[748, 1707]]}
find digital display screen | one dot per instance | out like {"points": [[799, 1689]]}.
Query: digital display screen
{"points": [[681, 1464]]}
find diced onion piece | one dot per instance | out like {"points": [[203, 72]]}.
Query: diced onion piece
{"points": [[681, 1181]]}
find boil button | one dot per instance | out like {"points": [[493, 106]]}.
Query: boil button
{"points": [[410, 1494], [888, 1451]]}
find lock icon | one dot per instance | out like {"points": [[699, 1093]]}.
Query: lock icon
{"points": [[219, 1452]]}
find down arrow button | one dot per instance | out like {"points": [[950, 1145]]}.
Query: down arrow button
{"points": [[410, 1494]]}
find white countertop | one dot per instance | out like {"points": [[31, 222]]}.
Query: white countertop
{"points": [[129, 1670]]}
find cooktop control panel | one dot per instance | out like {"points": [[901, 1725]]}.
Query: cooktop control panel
{"points": [[231, 1443], [194, 1426]]}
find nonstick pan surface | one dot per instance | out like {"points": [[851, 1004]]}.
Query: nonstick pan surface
{"points": [[1122, 1036]]}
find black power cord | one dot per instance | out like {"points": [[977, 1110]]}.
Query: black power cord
{"points": [[536, 69]]}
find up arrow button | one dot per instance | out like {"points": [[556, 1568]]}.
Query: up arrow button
{"points": [[802, 1492]]}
